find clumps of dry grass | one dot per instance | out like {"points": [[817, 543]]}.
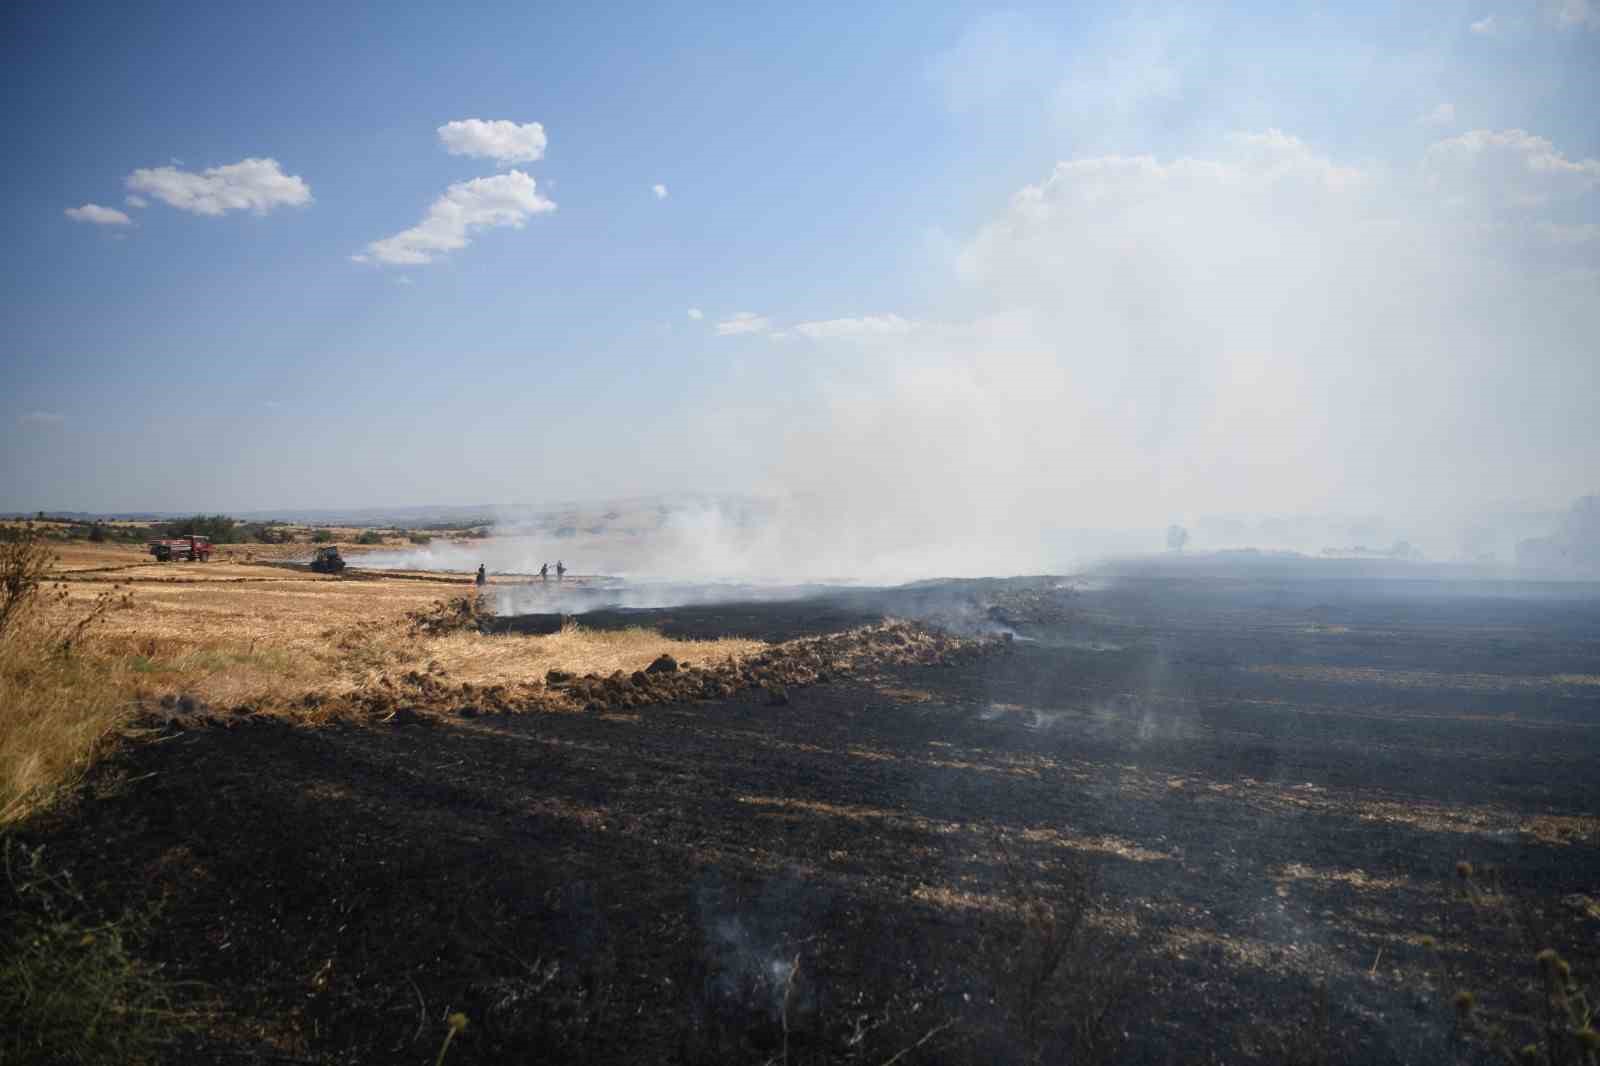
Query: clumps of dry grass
{"points": [[464, 671], [464, 614], [1559, 1031], [577, 650], [60, 702], [581, 669], [25, 562], [775, 669], [1548, 1019]]}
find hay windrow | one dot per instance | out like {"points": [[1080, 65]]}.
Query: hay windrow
{"points": [[436, 690], [460, 615]]}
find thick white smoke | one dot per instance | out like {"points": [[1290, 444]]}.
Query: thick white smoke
{"points": [[1259, 329]]}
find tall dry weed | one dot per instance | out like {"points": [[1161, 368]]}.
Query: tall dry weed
{"points": [[1543, 1014], [59, 702], [25, 560]]}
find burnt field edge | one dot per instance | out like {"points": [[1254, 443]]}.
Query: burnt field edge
{"points": [[966, 607], [842, 874]]}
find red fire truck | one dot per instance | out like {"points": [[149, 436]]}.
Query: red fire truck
{"points": [[182, 549]]}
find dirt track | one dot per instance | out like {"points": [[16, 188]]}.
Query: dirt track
{"points": [[1270, 781]]}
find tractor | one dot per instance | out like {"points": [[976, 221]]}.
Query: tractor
{"points": [[328, 561]]}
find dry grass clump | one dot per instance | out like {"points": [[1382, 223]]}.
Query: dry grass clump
{"points": [[773, 668], [1549, 1019], [59, 698], [579, 669], [1558, 1031], [575, 649], [461, 615]]}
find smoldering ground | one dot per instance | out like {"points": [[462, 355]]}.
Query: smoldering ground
{"points": [[1270, 783], [981, 608]]}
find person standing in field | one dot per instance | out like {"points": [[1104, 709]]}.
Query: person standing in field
{"points": [[561, 570], [483, 578], [544, 572]]}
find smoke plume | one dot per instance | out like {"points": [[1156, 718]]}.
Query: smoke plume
{"points": [[1259, 328]]}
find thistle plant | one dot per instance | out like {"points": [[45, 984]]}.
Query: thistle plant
{"points": [[456, 1022]]}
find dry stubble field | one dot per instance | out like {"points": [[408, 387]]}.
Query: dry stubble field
{"points": [[249, 631], [227, 632]]}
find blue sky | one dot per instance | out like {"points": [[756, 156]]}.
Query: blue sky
{"points": [[823, 164]]}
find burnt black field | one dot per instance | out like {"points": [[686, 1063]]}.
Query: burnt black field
{"points": [[1170, 817]]}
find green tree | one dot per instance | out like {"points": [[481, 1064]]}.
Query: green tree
{"points": [[218, 528]]}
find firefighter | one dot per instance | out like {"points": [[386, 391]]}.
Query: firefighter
{"points": [[483, 578]]}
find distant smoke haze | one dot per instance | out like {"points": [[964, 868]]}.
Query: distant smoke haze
{"points": [[1258, 329]]}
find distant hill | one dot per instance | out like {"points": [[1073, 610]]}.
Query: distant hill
{"points": [[470, 515], [584, 515], [96, 516]]}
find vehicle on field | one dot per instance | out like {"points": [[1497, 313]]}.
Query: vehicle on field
{"points": [[327, 561], [181, 549]]}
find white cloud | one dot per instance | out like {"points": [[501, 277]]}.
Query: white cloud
{"points": [[1443, 115], [696, 314], [402, 279], [257, 185], [1484, 27], [660, 191], [1255, 167], [1507, 168], [743, 322], [1582, 13], [40, 419], [465, 208], [1274, 156], [864, 327], [503, 141], [100, 216], [135, 201]]}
